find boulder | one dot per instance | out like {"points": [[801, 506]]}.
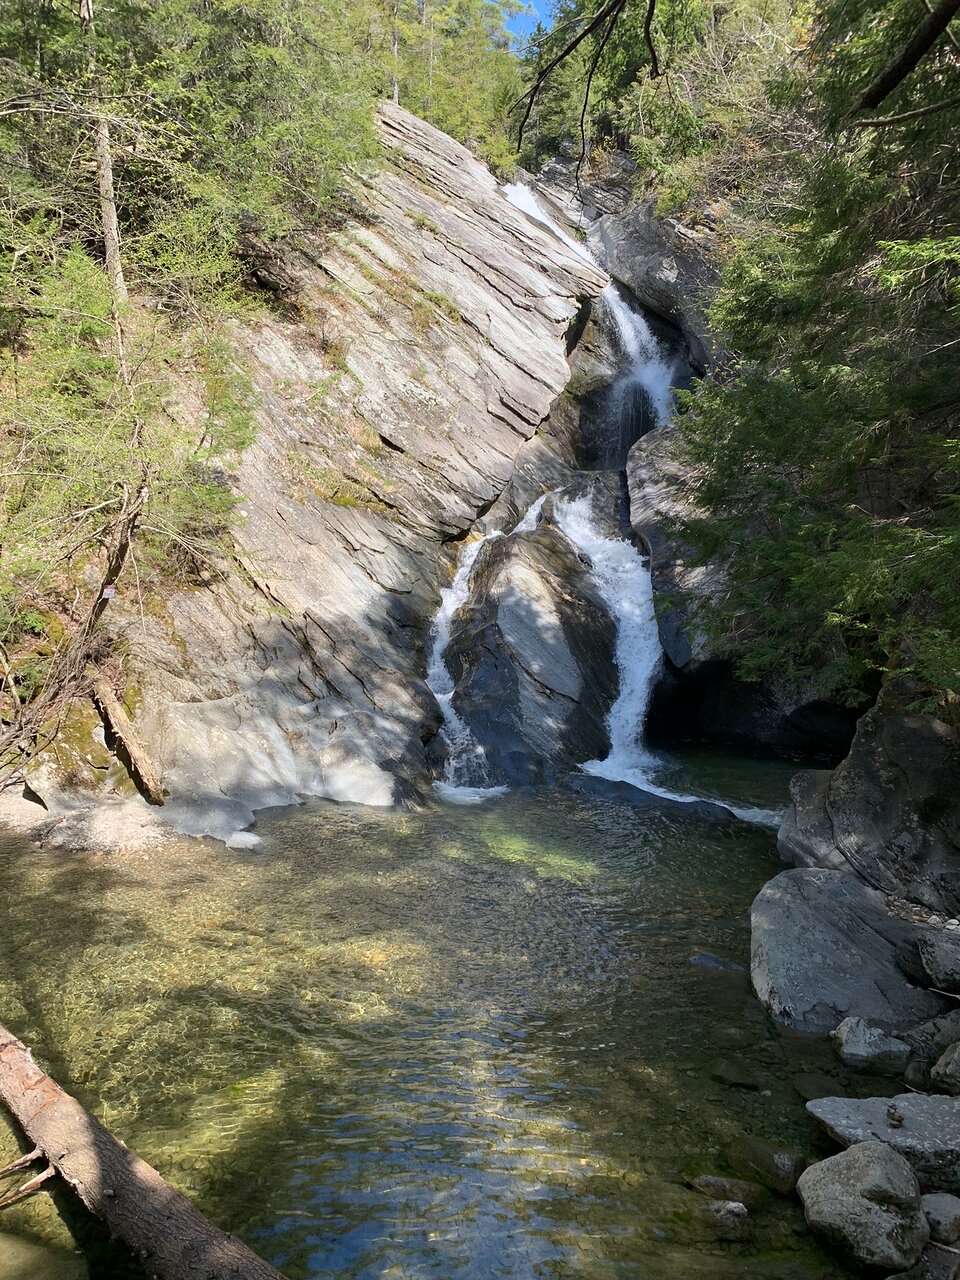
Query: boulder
{"points": [[945, 1073], [824, 949], [866, 1047], [924, 1128], [769, 1163], [532, 657], [940, 957], [890, 812], [942, 1211], [866, 1201], [937, 1262]]}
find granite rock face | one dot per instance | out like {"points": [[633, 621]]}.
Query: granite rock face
{"points": [[698, 689], [824, 948], [428, 345], [866, 1201], [890, 812]]}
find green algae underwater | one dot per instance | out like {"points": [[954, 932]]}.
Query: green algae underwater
{"points": [[472, 1042]]}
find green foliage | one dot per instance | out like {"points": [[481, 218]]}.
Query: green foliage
{"points": [[75, 433], [829, 450]]}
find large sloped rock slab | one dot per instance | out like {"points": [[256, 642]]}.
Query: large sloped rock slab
{"points": [[427, 346], [890, 811], [925, 1130], [824, 948]]}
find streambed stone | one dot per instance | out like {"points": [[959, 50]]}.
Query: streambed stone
{"points": [[866, 1200], [866, 1047], [945, 1072], [943, 1213]]}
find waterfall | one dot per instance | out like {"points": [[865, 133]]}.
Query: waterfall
{"points": [[647, 370], [465, 772], [524, 198], [623, 582]]}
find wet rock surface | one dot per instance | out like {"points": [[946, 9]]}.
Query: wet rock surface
{"points": [[925, 1130], [866, 1047], [532, 657], [890, 812], [824, 948], [866, 1201]]}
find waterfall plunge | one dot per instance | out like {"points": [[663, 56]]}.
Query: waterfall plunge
{"points": [[620, 574]]}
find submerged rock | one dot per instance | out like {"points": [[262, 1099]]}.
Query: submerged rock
{"points": [[776, 1167], [866, 1201], [824, 949], [750, 1194], [925, 1130]]}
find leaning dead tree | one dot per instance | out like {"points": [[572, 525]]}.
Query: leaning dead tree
{"points": [[159, 1224]]}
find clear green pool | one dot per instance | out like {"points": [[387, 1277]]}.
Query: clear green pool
{"points": [[466, 1042]]}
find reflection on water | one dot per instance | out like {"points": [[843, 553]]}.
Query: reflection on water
{"points": [[465, 1042]]}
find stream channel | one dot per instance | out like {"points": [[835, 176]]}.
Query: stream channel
{"points": [[474, 1041]]}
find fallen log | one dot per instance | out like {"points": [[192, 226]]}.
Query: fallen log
{"points": [[122, 726], [159, 1224]]}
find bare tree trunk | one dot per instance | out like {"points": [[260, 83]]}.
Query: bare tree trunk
{"points": [[108, 211], [395, 47], [173, 1239], [930, 29], [122, 726]]}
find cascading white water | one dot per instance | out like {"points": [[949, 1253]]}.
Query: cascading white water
{"points": [[525, 199], [620, 574], [647, 369], [465, 774], [622, 578]]}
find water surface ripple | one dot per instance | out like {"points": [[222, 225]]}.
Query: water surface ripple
{"points": [[462, 1042]]}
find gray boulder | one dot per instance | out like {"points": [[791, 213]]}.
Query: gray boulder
{"points": [[937, 1262], [866, 1047], [945, 1073], [866, 1201], [532, 658], [924, 1128], [942, 1211], [940, 957], [890, 812], [824, 949]]}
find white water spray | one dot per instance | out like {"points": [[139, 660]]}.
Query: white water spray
{"points": [[622, 578], [647, 369]]}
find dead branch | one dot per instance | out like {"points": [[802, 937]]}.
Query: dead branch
{"points": [[156, 1221]]}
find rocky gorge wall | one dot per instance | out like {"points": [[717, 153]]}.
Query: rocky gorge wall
{"points": [[427, 344]]}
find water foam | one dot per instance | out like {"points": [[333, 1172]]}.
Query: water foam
{"points": [[623, 582]]}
